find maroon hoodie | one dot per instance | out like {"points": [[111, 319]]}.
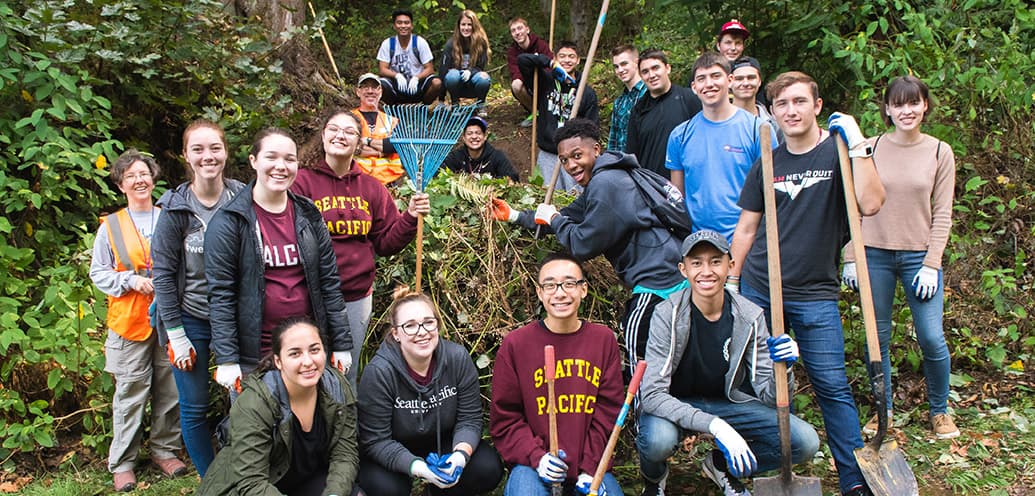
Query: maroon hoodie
{"points": [[362, 218], [535, 45]]}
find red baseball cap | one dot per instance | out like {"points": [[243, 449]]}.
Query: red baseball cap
{"points": [[734, 26]]}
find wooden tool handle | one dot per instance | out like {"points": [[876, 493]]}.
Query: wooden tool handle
{"points": [[550, 370]]}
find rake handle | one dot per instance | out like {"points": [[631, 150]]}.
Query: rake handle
{"points": [[420, 248]]}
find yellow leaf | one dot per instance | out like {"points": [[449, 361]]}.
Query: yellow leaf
{"points": [[28, 229], [42, 166], [1017, 366], [101, 162], [1002, 180], [26, 96]]}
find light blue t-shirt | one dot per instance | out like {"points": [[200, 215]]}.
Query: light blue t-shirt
{"points": [[715, 157]]}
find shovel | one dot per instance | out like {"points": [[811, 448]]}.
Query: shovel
{"points": [[882, 463], [787, 483]]}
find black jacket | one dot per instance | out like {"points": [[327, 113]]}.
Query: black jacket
{"points": [[448, 63], [555, 99], [653, 119], [237, 286], [491, 161]]}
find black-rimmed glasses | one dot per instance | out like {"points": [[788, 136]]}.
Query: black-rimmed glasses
{"points": [[568, 285], [412, 328]]}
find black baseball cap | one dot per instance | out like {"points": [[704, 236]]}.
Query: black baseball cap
{"points": [[706, 236]]}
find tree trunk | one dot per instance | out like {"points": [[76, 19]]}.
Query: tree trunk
{"points": [[583, 17]]}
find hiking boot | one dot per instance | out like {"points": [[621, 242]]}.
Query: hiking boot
{"points": [[730, 485], [124, 481], [527, 122], [871, 427], [860, 490], [944, 427], [651, 488], [170, 467]]}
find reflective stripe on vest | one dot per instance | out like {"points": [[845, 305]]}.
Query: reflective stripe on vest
{"points": [[385, 169], [127, 314]]}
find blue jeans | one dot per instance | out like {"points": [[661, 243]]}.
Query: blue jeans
{"points": [[817, 329], [524, 481], [755, 421], [193, 389], [886, 267], [475, 87]]}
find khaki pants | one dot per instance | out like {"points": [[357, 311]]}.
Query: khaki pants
{"points": [[141, 370]]}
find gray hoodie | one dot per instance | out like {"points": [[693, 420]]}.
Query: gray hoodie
{"points": [[749, 360]]}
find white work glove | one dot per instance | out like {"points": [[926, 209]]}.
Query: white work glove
{"points": [[400, 82], [584, 481], [740, 460], [411, 87], [849, 130], [228, 375], [419, 468], [551, 468], [849, 277], [544, 212], [455, 464], [465, 75], [181, 351], [732, 284], [342, 360], [926, 282], [782, 349]]}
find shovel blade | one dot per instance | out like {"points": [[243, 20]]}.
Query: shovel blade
{"points": [[793, 486], [886, 470]]}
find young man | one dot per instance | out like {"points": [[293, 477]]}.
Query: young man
{"points": [[588, 390], [710, 369], [407, 65], [376, 155], [747, 80], [813, 226], [476, 155], [624, 59], [610, 219], [663, 108], [525, 41], [730, 40], [710, 155], [558, 83]]}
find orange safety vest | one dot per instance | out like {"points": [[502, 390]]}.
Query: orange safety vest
{"points": [[385, 169], [127, 314]]}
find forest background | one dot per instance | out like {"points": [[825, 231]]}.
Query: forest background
{"points": [[81, 81]]}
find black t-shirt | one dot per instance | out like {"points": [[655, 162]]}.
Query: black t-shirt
{"points": [[706, 358], [812, 221], [310, 458]]}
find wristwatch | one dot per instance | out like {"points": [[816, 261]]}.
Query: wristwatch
{"points": [[863, 151], [368, 141]]}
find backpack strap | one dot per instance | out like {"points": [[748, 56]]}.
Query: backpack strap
{"points": [[391, 49]]}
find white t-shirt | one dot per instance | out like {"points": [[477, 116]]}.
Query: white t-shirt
{"points": [[404, 60]]}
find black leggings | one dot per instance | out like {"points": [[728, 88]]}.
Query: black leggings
{"points": [[481, 475]]}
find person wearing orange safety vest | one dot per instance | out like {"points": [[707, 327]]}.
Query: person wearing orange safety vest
{"points": [[121, 268], [376, 155]]}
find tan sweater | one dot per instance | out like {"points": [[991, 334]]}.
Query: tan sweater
{"points": [[919, 180]]}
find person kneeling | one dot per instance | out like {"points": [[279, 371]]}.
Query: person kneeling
{"points": [[708, 370]]}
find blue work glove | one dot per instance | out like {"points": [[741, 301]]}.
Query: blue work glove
{"points": [[849, 277], [740, 461], [584, 481], [846, 126], [782, 349], [420, 468], [561, 75], [926, 282], [552, 469]]}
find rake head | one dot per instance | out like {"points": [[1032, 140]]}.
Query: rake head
{"points": [[425, 135]]}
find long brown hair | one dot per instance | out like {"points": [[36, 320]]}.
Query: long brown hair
{"points": [[476, 46]]}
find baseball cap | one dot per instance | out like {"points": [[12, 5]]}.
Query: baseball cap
{"points": [[367, 77], [746, 62], [706, 236], [734, 25], [477, 121]]}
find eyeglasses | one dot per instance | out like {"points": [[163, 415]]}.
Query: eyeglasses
{"points": [[568, 285], [134, 177], [412, 328], [334, 130]]}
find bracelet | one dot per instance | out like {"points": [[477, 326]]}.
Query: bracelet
{"points": [[732, 278]]}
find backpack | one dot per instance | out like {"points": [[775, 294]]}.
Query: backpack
{"points": [[664, 200], [413, 47]]}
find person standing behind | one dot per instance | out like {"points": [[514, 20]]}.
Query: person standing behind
{"points": [[181, 291], [655, 115], [813, 227], [906, 239], [418, 391], [730, 40], [525, 41], [121, 267], [464, 59], [475, 155], [747, 80], [558, 83], [710, 155], [588, 390], [361, 217], [376, 156], [405, 64], [624, 58]]}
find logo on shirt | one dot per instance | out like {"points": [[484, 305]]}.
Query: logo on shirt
{"points": [[421, 406], [726, 349], [280, 255], [794, 184], [733, 149]]}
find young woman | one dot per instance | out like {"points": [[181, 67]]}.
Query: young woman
{"points": [[121, 267], [464, 59], [421, 411], [293, 428], [906, 239], [267, 258], [361, 216], [181, 291]]}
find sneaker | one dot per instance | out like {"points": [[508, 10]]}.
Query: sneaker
{"points": [[651, 488], [730, 485], [944, 427], [871, 427], [527, 122], [124, 481], [171, 467], [860, 490]]}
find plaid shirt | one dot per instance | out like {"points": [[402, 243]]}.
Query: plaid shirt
{"points": [[620, 115]]}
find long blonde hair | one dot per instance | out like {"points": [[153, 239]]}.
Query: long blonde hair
{"points": [[478, 44]]}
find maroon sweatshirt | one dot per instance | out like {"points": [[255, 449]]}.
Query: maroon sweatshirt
{"points": [[535, 45], [362, 218], [588, 392]]}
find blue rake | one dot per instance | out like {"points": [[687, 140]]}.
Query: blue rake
{"points": [[423, 137]]}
